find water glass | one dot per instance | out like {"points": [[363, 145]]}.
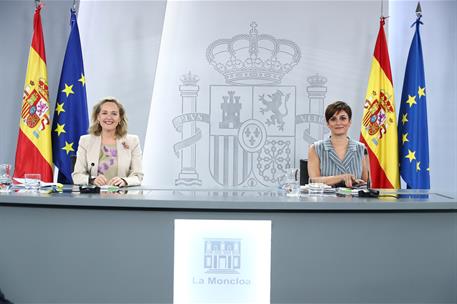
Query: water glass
{"points": [[316, 186], [32, 182], [291, 182], [293, 175], [292, 189], [5, 177]]}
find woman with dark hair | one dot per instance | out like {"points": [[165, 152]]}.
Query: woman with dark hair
{"points": [[108, 153], [338, 159]]}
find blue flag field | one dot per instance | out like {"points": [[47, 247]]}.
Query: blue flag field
{"points": [[70, 119], [412, 120]]}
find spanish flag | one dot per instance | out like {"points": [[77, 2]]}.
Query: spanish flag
{"points": [[34, 150], [379, 124]]}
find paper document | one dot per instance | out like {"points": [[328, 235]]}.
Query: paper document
{"points": [[21, 182], [109, 188]]}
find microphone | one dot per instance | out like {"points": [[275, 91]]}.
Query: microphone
{"points": [[368, 192], [89, 188]]}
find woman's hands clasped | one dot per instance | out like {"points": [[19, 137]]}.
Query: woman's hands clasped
{"points": [[101, 180]]}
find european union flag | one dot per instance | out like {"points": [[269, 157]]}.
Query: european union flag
{"points": [[412, 121], [70, 116]]}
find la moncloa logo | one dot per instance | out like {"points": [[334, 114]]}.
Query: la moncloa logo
{"points": [[222, 256]]}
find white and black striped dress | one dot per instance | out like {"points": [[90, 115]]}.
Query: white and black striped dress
{"points": [[330, 164]]}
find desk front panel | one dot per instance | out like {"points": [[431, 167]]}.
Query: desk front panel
{"points": [[110, 255]]}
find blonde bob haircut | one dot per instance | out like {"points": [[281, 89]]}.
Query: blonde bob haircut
{"points": [[96, 129]]}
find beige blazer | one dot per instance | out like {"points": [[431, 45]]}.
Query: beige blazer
{"points": [[129, 159]]}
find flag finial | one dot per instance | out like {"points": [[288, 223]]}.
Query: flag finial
{"points": [[418, 10]]}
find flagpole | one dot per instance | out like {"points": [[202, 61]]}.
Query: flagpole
{"points": [[74, 5], [418, 15], [383, 17]]}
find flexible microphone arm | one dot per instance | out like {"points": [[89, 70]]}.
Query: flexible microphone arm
{"points": [[368, 192], [365, 152], [90, 173]]}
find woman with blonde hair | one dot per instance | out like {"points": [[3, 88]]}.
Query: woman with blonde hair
{"points": [[108, 155]]}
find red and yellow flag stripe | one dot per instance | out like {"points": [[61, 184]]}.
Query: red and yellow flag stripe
{"points": [[379, 124], [34, 150]]}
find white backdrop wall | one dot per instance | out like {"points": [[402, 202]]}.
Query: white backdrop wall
{"points": [[439, 45], [121, 41], [208, 137]]}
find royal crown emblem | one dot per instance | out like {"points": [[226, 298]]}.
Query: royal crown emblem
{"points": [[252, 117], [255, 56]]}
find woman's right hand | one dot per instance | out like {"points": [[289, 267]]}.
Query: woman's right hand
{"points": [[100, 180], [348, 179]]}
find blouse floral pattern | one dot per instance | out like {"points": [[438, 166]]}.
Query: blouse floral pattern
{"points": [[107, 164]]}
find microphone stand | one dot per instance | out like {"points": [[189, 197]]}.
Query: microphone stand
{"points": [[368, 192], [89, 188]]}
